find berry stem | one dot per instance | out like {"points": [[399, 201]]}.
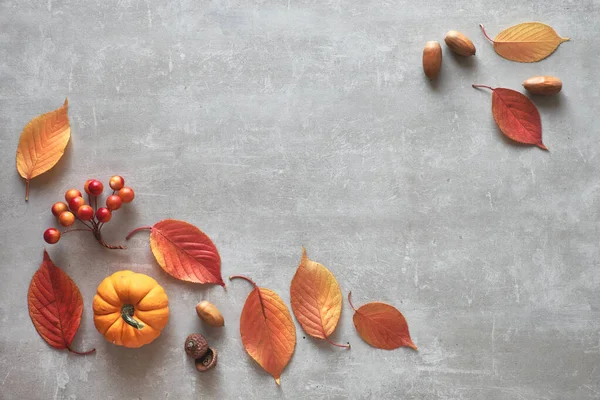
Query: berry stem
{"points": [[485, 33], [81, 353], [109, 246], [77, 229], [141, 228], [350, 301], [483, 86], [27, 190]]}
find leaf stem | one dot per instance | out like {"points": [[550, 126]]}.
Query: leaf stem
{"points": [[141, 228], [81, 353], [350, 301], [260, 299], [27, 190], [346, 346], [482, 86], [244, 278], [485, 33]]}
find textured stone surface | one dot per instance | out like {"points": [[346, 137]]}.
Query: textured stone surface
{"points": [[277, 124]]}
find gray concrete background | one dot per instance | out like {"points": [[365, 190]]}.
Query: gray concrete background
{"points": [[276, 124]]}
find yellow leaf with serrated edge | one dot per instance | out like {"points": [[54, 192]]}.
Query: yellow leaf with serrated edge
{"points": [[526, 42], [42, 143]]}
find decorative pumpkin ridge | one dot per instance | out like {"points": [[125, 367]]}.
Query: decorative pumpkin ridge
{"points": [[130, 309]]}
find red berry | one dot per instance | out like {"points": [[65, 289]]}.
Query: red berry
{"points": [[58, 208], [66, 219], [86, 184], [75, 203], [116, 182], [113, 202], [72, 193], [126, 194], [95, 187], [103, 214], [85, 212], [51, 235]]}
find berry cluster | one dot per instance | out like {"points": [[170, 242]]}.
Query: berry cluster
{"points": [[89, 215]]}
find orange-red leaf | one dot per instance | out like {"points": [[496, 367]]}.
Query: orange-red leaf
{"points": [[55, 305], [185, 252], [42, 143], [381, 326], [268, 332], [316, 299], [516, 116], [526, 42]]}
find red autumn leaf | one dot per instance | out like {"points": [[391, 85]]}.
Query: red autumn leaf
{"points": [[516, 116], [381, 325], [55, 305], [184, 251]]}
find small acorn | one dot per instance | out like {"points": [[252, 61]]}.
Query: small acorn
{"points": [[207, 361], [196, 345], [459, 43], [210, 314], [543, 85], [432, 59]]}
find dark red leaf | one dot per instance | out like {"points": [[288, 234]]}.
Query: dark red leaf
{"points": [[516, 116], [55, 305]]}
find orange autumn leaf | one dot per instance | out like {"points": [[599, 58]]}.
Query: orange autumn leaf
{"points": [[184, 251], [526, 42], [267, 330], [316, 299], [42, 144], [55, 305], [381, 325]]}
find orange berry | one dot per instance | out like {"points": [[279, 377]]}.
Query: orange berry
{"points": [[85, 212], [51, 235], [113, 202], [75, 203], [116, 182], [103, 214], [86, 185], [126, 194], [58, 208], [66, 219], [72, 193]]}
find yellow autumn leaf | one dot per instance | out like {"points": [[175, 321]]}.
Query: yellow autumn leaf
{"points": [[316, 299], [526, 42], [42, 143]]}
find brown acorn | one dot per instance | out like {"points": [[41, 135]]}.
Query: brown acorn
{"points": [[196, 345], [543, 85], [207, 361], [459, 43], [209, 313], [432, 59]]}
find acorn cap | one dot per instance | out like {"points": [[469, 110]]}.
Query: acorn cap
{"points": [[208, 361]]}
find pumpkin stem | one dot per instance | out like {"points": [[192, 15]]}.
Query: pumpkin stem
{"points": [[127, 313]]}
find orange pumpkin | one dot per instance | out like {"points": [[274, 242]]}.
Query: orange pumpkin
{"points": [[130, 309]]}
